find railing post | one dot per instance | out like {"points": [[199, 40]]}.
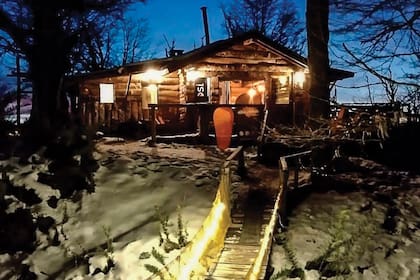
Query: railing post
{"points": [[204, 123], [241, 163], [296, 174], [284, 177]]}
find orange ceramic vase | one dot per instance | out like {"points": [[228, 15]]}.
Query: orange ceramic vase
{"points": [[223, 124]]}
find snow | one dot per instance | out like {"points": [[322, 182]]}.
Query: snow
{"points": [[133, 179], [374, 252]]}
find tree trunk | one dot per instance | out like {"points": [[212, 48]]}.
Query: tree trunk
{"points": [[318, 60], [47, 65]]}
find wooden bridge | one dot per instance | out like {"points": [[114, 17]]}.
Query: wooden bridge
{"points": [[234, 242], [254, 215]]}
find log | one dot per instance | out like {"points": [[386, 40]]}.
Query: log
{"points": [[134, 111], [239, 60], [169, 87], [170, 81]]}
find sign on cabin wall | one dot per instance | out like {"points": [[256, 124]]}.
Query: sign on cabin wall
{"points": [[201, 90]]}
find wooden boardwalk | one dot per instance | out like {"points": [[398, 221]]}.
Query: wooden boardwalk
{"points": [[243, 239]]}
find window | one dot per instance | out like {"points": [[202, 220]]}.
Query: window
{"points": [[106, 93]]}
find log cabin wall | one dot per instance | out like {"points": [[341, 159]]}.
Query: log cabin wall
{"points": [[126, 106], [129, 101], [230, 74], [247, 65]]}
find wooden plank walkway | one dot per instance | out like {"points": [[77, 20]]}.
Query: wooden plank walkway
{"points": [[243, 238]]}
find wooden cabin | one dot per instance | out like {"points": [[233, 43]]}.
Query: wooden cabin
{"points": [[250, 73]]}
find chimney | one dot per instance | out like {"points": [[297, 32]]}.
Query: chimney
{"points": [[206, 24]]}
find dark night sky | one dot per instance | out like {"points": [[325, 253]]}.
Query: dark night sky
{"points": [[182, 21]]}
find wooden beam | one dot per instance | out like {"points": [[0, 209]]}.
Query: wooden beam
{"points": [[261, 67], [254, 54], [244, 60]]}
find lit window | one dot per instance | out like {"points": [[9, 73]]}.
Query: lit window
{"points": [[106, 93]]}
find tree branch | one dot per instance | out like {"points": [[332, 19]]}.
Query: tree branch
{"points": [[15, 32], [359, 62]]}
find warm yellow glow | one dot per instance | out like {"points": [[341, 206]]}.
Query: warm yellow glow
{"points": [[283, 80], [152, 89], [261, 88], [193, 75], [252, 92], [201, 244], [299, 78], [106, 93], [153, 76], [265, 243]]}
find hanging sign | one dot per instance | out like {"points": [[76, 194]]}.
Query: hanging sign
{"points": [[200, 90]]}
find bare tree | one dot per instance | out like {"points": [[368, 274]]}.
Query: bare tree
{"points": [[47, 40], [383, 38], [276, 19], [93, 51], [108, 42], [135, 41]]}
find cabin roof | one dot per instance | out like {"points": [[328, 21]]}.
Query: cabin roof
{"points": [[177, 62]]}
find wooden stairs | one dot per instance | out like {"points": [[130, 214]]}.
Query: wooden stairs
{"points": [[243, 238]]}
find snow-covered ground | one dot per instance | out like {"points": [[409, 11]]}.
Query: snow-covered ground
{"points": [[375, 228], [373, 232], [119, 220]]}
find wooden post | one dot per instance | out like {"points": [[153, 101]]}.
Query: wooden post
{"points": [[203, 111], [296, 174], [153, 125], [293, 99], [241, 163], [18, 90], [284, 177]]}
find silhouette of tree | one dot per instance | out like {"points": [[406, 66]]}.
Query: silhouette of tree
{"points": [[277, 19], [106, 42], [318, 57], [385, 41], [47, 37]]}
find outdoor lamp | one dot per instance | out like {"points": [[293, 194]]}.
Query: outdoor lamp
{"points": [[193, 75], [153, 76], [252, 92]]}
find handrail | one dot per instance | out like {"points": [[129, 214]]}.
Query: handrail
{"points": [[279, 208], [196, 257]]}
